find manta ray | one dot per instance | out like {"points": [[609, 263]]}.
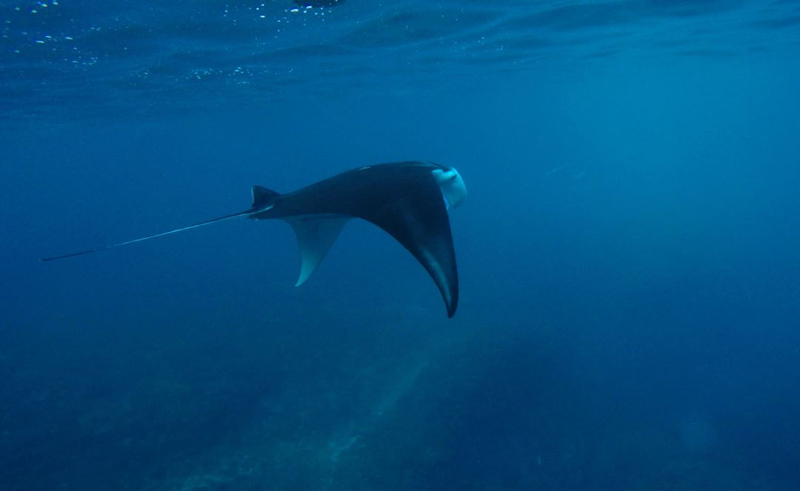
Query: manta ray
{"points": [[408, 200]]}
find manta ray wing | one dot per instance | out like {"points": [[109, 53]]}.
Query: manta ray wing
{"points": [[315, 236], [420, 222]]}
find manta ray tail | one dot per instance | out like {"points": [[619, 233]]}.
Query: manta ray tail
{"points": [[263, 199]]}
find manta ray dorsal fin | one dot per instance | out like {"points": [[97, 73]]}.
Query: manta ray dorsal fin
{"points": [[263, 198], [315, 236]]}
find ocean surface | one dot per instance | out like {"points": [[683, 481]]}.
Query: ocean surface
{"points": [[629, 252]]}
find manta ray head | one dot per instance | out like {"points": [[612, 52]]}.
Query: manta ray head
{"points": [[453, 188]]}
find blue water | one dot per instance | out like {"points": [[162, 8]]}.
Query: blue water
{"points": [[628, 254]]}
